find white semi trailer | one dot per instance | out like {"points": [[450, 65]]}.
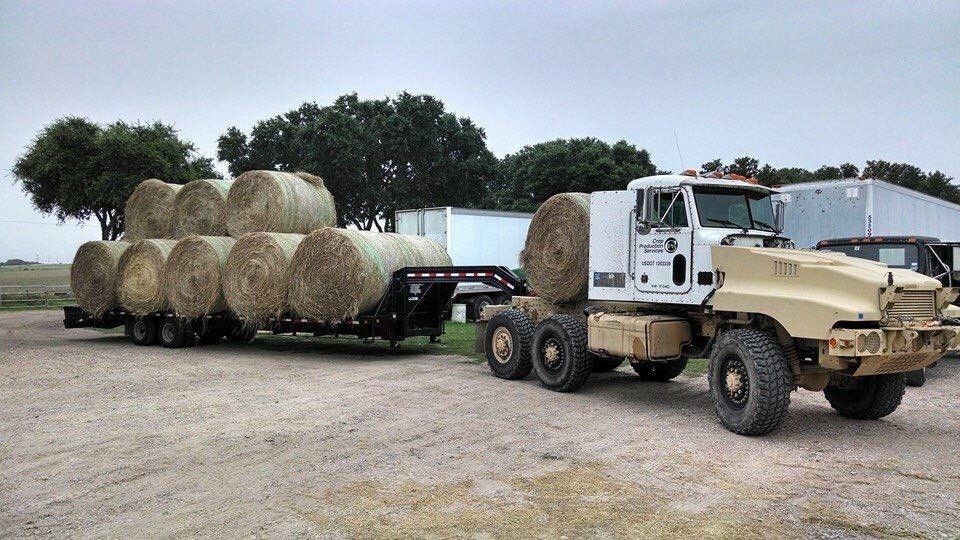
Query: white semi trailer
{"points": [[472, 237]]}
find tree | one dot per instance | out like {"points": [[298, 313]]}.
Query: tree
{"points": [[539, 171], [375, 156], [771, 176], [745, 166], [712, 166], [75, 168]]}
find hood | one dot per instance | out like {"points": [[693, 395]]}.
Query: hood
{"points": [[808, 292]]}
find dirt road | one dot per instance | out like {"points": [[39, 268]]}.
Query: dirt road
{"points": [[102, 438]]}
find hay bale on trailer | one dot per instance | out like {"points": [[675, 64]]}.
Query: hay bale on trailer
{"points": [[199, 208], [93, 275], [272, 201], [341, 273], [140, 285], [148, 210], [255, 275], [556, 255], [193, 275]]}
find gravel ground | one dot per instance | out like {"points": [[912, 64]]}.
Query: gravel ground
{"points": [[102, 438]]}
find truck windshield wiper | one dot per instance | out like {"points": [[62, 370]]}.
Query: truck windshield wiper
{"points": [[728, 223], [765, 224]]}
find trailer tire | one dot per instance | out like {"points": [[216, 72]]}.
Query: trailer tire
{"points": [[559, 353], [477, 304], [142, 330], [750, 381], [660, 371], [867, 398], [174, 334], [507, 344], [602, 364], [917, 377]]}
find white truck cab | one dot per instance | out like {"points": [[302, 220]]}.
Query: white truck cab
{"points": [[661, 251]]}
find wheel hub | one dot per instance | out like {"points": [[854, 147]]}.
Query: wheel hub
{"points": [[168, 333], [735, 381], [502, 345], [140, 330], [552, 353]]}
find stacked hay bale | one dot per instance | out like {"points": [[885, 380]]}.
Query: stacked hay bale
{"points": [[149, 209], [278, 202], [193, 275], [341, 273], [199, 208], [556, 254], [93, 275], [139, 285], [255, 276]]}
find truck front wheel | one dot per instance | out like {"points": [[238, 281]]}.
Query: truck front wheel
{"points": [[866, 398], [507, 344], [660, 371], [560, 353], [750, 381]]}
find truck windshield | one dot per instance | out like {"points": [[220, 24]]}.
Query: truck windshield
{"points": [[734, 208], [893, 255]]}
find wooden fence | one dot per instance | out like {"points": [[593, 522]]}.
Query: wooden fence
{"points": [[35, 296]]}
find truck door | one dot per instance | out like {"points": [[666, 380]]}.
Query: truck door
{"points": [[664, 243]]}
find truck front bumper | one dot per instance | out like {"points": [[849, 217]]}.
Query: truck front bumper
{"points": [[875, 351]]}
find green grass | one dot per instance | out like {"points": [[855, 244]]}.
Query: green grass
{"points": [[696, 367], [35, 274]]}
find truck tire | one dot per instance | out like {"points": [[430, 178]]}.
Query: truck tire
{"points": [[174, 334], [750, 381], [867, 398], [559, 353], [507, 344], [917, 377], [660, 371], [603, 364], [477, 304], [142, 330]]}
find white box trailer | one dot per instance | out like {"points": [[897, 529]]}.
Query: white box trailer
{"points": [[815, 211], [472, 237]]}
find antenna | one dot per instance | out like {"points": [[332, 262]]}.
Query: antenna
{"points": [[677, 140]]}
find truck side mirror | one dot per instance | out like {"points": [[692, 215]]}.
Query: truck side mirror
{"points": [[642, 225], [778, 213]]}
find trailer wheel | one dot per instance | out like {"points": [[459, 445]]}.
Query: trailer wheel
{"points": [[603, 364], [660, 371], [916, 377], [750, 381], [560, 353], [477, 305], [867, 398], [142, 330], [174, 334], [507, 344]]}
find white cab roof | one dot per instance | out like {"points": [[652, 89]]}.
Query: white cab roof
{"points": [[669, 180]]}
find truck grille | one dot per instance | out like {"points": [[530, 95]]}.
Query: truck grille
{"points": [[914, 305]]}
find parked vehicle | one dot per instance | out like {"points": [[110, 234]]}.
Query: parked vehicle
{"points": [[862, 208], [924, 254], [685, 266], [472, 237]]}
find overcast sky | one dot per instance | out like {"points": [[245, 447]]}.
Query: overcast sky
{"points": [[802, 83]]}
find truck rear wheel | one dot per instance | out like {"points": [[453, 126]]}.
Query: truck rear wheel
{"points": [[174, 334], [507, 344], [916, 377], [142, 331], [660, 371], [603, 364], [750, 381], [560, 353], [867, 398], [477, 305]]}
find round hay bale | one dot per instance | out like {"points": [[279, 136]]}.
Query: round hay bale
{"points": [[556, 254], [148, 210], [272, 201], [255, 276], [341, 273], [199, 207], [93, 275], [193, 275], [140, 285]]}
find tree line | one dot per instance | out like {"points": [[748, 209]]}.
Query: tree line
{"points": [[376, 156]]}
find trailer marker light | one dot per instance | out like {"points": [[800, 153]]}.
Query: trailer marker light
{"points": [[833, 342]]}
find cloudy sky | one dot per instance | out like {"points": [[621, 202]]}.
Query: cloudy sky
{"points": [[802, 83]]}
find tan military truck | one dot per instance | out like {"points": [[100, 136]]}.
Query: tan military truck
{"points": [[684, 266]]}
